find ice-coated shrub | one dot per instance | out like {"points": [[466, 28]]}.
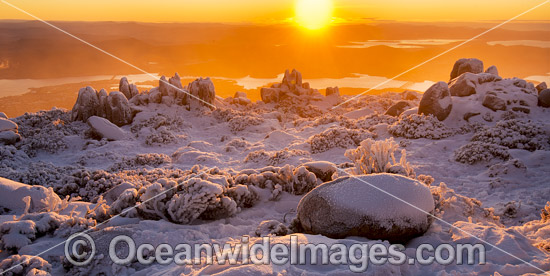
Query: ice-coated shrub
{"points": [[378, 157], [244, 196], [240, 122], [19, 233], [375, 119], [295, 180], [46, 130], [271, 228], [141, 160], [416, 126], [337, 137], [161, 136], [87, 185], [24, 265], [298, 106], [325, 119], [451, 206], [11, 159], [274, 158], [476, 151], [515, 134]]}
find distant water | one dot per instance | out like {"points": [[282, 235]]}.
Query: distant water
{"points": [[530, 43], [21, 86]]}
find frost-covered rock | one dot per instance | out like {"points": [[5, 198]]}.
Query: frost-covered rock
{"points": [[271, 228], [492, 70], [118, 109], [465, 65], [106, 129], [202, 89], [269, 94], [323, 170], [129, 90], [7, 125], [12, 194], [493, 102], [398, 108], [436, 101], [3, 115], [544, 98], [362, 206], [86, 104], [467, 83], [9, 138]]}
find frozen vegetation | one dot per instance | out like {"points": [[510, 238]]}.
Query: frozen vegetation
{"points": [[177, 164]]}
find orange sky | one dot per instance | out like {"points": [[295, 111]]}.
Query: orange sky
{"points": [[268, 11]]}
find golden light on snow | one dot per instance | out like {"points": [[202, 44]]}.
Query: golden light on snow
{"points": [[313, 14]]}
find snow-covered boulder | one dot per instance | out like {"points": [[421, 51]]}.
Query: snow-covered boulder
{"points": [[467, 83], [332, 91], [106, 129], [269, 94], [465, 65], [202, 89], [357, 206], [9, 137], [7, 125], [12, 194], [398, 108], [541, 86], [239, 94], [544, 98], [3, 115], [323, 170], [436, 101], [129, 90], [86, 104], [118, 109], [492, 70]]}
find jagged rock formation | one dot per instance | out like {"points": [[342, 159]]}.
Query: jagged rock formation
{"points": [[332, 91], [129, 90], [203, 93], [114, 107], [467, 65], [291, 86], [436, 101], [541, 86]]}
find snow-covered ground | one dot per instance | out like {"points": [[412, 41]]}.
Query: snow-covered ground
{"points": [[247, 163]]}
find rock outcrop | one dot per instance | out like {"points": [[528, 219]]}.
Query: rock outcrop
{"points": [[544, 98], [202, 93], [114, 107], [492, 70], [332, 91], [467, 65], [291, 86], [436, 101], [541, 86], [357, 207]]}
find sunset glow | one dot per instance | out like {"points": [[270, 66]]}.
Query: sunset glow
{"points": [[313, 14]]}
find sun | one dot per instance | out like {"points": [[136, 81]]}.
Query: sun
{"points": [[313, 14]]}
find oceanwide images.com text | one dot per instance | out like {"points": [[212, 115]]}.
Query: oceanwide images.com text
{"points": [[80, 250]]}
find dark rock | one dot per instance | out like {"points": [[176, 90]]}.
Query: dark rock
{"points": [[436, 101], [544, 98], [322, 169], [9, 137], [541, 86], [398, 108], [493, 102], [492, 70], [357, 207], [469, 115], [118, 109], [463, 86], [521, 109], [467, 65], [202, 93], [332, 91], [86, 104]]}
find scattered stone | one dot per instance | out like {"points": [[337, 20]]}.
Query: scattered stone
{"points": [[521, 109], [544, 98], [105, 129], [493, 102], [354, 207], [398, 108], [541, 86], [323, 170], [463, 86], [467, 65], [436, 101], [492, 70], [469, 115]]}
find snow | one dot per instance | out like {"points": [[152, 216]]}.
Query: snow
{"points": [[106, 129], [239, 193]]}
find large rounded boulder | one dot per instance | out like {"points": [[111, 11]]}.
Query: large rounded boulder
{"points": [[364, 206], [544, 98], [467, 65], [436, 101]]}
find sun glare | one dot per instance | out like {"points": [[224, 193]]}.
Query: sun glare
{"points": [[313, 14]]}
